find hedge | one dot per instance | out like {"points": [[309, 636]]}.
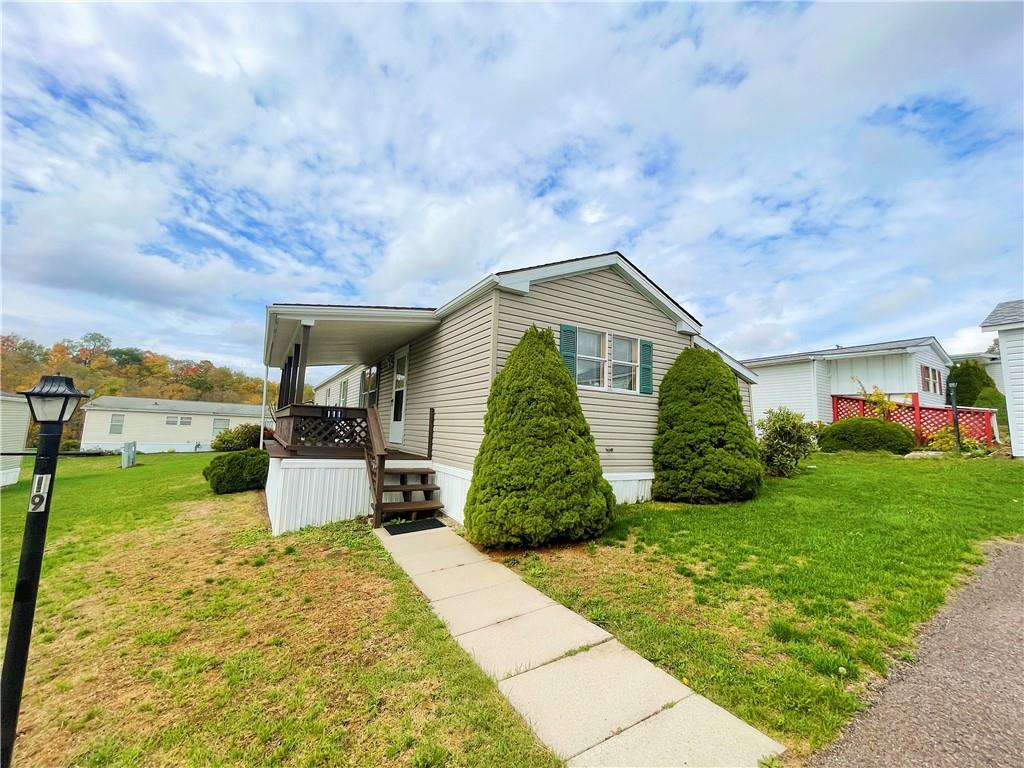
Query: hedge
{"points": [[704, 452], [537, 477], [238, 471], [862, 433], [238, 439], [990, 397]]}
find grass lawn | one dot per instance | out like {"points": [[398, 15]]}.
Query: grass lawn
{"points": [[784, 609], [173, 630]]}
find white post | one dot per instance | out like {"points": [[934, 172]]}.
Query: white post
{"points": [[263, 406]]}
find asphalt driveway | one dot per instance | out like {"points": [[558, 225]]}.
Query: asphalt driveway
{"points": [[962, 703]]}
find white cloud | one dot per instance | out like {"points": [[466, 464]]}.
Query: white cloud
{"points": [[166, 172]]}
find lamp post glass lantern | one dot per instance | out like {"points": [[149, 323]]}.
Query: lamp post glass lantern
{"points": [[53, 401]]}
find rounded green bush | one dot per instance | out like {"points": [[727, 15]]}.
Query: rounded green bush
{"points": [[785, 440], [990, 397], [238, 471], [537, 476], [237, 439], [970, 377], [705, 450], [862, 433]]}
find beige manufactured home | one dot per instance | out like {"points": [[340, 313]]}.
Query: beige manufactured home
{"points": [[412, 392], [160, 425]]}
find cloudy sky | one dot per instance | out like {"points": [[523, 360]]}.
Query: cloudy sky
{"points": [[797, 176]]}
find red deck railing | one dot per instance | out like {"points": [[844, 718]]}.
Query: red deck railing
{"points": [[924, 420]]}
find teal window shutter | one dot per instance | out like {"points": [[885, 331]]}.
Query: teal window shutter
{"points": [[646, 367], [567, 346]]}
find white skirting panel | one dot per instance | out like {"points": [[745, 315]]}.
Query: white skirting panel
{"points": [[9, 476], [305, 492], [630, 487], [454, 482]]}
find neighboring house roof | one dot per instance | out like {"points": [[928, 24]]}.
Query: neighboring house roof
{"points": [[981, 357], [1007, 314], [740, 370], [149, 404], [865, 350]]}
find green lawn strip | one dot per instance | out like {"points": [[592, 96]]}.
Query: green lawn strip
{"points": [[224, 646], [781, 608]]}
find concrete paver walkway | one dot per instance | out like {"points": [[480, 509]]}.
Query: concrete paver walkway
{"points": [[590, 699]]}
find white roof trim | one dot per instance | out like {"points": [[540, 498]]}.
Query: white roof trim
{"points": [[738, 368]]}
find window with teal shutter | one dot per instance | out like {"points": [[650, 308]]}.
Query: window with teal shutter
{"points": [[646, 367], [567, 347]]}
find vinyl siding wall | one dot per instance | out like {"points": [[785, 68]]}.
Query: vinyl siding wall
{"points": [[332, 386], [624, 425], [926, 356], [1011, 350], [745, 396], [151, 431], [789, 385], [14, 419]]}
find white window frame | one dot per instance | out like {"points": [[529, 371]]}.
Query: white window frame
{"points": [[217, 430], [932, 385], [184, 421], [602, 360], [119, 425], [635, 364], [170, 421]]}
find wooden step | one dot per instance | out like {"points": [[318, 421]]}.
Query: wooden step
{"points": [[411, 487], [389, 510], [407, 470]]}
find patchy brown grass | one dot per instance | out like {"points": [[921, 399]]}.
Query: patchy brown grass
{"points": [[206, 641]]}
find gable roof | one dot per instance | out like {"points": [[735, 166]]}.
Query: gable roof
{"points": [[153, 405], [1006, 313], [865, 350]]}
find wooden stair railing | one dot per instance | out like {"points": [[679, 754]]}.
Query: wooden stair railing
{"points": [[375, 451]]}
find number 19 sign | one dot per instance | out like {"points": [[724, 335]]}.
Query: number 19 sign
{"points": [[40, 493]]}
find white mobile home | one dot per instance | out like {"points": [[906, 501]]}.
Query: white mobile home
{"points": [[14, 419], [410, 402], [806, 381], [160, 425], [1007, 319]]}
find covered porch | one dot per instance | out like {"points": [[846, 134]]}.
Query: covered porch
{"points": [[298, 337]]}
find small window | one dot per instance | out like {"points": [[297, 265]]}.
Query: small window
{"points": [[624, 363], [368, 388], [219, 425], [328, 400], [185, 421], [343, 399], [931, 380], [116, 423], [589, 358], [172, 421]]}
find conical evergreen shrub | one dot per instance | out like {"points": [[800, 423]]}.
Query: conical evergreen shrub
{"points": [[537, 476], [705, 451]]}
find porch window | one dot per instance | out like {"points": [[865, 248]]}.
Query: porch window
{"points": [[624, 363], [368, 387], [931, 380], [589, 358], [116, 423], [219, 425]]}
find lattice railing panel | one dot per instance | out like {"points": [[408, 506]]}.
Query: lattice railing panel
{"points": [[318, 432], [974, 422]]}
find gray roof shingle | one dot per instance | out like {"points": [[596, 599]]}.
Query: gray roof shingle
{"points": [[919, 341], [1005, 313], [155, 405]]}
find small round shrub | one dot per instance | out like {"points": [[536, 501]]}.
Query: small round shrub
{"points": [[537, 476], [238, 471], [705, 451], [862, 433], [785, 439], [237, 439], [990, 397], [70, 444]]}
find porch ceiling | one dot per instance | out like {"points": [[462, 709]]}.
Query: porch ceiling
{"points": [[342, 335]]}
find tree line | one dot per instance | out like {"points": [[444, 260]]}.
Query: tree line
{"points": [[96, 364]]}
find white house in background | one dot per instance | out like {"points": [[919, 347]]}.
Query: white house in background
{"points": [[990, 361], [1007, 319], [411, 399], [14, 418], [805, 381], [160, 425]]}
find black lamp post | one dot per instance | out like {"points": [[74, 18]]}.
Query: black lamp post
{"points": [[52, 401], [956, 414]]}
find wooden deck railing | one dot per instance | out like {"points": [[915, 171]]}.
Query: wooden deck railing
{"points": [[322, 430], [375, 451]]}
